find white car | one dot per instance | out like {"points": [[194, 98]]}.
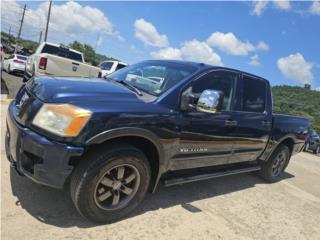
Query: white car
{"points": [[108, 67], [57, 60], [15, 63]]}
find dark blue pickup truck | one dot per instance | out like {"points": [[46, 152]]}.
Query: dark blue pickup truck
{"points": [[113, 139]]}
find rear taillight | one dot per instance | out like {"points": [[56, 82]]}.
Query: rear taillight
{"points": [[43, 63], [18, 61]]}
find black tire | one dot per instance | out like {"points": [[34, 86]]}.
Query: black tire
{"points": [[84, 185], [273, 169], [317, 150], [306, 147]]}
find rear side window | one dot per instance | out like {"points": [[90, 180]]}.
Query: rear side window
{"points": [[254, 95], [62, 52]]}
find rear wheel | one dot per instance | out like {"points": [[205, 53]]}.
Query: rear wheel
{"points": [[110, 183], [273, 169]]}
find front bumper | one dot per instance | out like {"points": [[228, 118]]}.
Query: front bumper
{"points": [[38, 158]]}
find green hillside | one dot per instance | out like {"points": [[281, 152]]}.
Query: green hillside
{"points": [[298, 101]]}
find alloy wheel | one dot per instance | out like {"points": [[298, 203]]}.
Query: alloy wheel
{"points": [[117, 187], [279, 163]]}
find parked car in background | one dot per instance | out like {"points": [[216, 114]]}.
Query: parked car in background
{"points": [[312, 142], [108, 67], [15, 63], [115, 138], [57, 60]]}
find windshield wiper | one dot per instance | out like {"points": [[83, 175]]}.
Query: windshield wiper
{"points": [[128, 85]]}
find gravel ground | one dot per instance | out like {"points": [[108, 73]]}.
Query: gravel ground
{"points": [[233, 207], [10, 84]]}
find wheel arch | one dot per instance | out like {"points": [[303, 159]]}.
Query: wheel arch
{"points": [[144, 140], [289, 142]]}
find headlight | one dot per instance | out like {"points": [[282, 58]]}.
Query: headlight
{"points": [[62, 119]]}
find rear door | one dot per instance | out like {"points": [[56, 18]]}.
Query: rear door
{"points": [[254, 119]]}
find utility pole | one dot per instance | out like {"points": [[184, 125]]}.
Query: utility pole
{"points": [[48, 19], [20, 28], [9, 30], [40, 38]]}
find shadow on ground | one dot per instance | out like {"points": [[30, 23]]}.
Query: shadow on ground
{"points": [[55, 207]]}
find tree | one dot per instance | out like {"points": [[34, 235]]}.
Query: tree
{"points": [[77, 46], [90, 56], [298, 101]]}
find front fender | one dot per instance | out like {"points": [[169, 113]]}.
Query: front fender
{"points": [[133, 132]]}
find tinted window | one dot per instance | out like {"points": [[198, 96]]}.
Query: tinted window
{"points": [[62, 52], [21, 57], [120, 66], [254, 95], [220, 81], [106, 65], [313, 133]]}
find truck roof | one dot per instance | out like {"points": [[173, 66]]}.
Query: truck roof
{"points": [[207, 66]]}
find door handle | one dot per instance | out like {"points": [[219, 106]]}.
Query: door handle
{"points": [[266, 123], [231, 123]]}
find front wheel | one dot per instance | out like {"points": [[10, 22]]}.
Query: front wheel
{"points": [[110, 183], [273, 169]]}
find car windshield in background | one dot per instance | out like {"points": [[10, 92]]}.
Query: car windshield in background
{"points": [[106, 65], [153, 77], [24, 58], [62, 52]]}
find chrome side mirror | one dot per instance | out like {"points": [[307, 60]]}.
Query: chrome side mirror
{"points": [[210, 101]]}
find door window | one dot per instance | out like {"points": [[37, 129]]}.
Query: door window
{"points": [[120, 66], [254, 95], [220, 81]]}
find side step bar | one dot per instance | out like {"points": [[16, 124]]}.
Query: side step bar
{"points": [[194, 178]]}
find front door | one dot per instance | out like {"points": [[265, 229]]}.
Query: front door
{"points": [[207, 138]]}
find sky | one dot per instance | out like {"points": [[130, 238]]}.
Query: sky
{"points": [[277, 40]]}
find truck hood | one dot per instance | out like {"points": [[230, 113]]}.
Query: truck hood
{"points": [[66, 90]]}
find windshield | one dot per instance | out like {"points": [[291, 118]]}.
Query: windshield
{"points": [[153, 77]]}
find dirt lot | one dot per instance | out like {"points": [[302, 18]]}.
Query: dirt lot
{"points": [[234, 207], [10, 84]]}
